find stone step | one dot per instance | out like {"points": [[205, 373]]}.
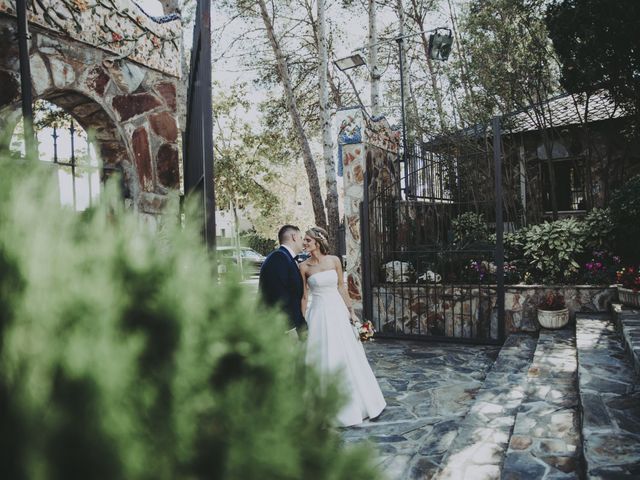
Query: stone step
{"points": [[609, 400], [482, 438], [628, 322], [545, 443]]}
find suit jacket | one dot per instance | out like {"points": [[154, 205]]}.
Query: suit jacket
{"points": [[281, 284]]}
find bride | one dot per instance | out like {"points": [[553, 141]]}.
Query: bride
{"points": [[332, 344]]}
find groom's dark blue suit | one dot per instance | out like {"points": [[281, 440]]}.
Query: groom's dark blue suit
{"points": [[281, 284]]}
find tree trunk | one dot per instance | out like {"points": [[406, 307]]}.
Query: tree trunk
{"points": [[411, 111], [310, 166], [464, 63], [236, 237], [333, 214], [432, 75], [373, 60]]}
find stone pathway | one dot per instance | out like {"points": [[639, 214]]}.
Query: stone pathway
{"points": [[628, 320], [429, 389], [546, 436], [483, 436], [565, 405], [610, 398]]}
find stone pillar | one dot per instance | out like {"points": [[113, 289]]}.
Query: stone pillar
{"points": [[351, 149], [363, 143]]}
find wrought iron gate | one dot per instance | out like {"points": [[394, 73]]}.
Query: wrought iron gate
{"points": [[432, 242]]}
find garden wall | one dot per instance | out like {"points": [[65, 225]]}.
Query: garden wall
{"points": [[461, 311]]}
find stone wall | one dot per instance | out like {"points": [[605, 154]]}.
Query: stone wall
{"points": [[466, 311], [369, 150], [117, 26], [129, 108]]}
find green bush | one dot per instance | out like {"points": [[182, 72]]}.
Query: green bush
{"points": [[258, 243], [625, 213], [121, 358], [469, 229], [551, 250], [597, 229]]}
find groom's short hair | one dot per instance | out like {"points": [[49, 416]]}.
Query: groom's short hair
{"points": [[284, 231]]}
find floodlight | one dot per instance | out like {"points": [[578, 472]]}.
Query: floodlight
{"points": [[350, 62], [440, 46]]}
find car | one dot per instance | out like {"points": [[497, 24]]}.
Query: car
{"points": [[251, 260]]}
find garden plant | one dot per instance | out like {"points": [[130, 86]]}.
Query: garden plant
{"points": [[121, 357]]}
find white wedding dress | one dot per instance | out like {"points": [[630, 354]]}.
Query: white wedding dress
{"points": [[332, 347]]}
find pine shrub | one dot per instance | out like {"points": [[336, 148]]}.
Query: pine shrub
{"points": [[122, 358]]}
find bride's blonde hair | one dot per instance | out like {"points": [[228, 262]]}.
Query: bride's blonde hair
{"points": [[321, 237]]}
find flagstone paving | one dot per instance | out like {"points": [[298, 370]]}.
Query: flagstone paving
{"points": [[429, 389], [546, 443], [564, 405], [610, 396], [479, 449]]}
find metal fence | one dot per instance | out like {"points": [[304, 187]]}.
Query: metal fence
{"points": [[422, 278]]}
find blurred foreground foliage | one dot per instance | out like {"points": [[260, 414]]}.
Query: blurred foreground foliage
{"points": [[121, 358]]}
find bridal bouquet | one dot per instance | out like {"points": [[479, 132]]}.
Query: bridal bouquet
{"points": [[364, 330]]}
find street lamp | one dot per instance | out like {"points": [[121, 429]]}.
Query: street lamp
{"points": [[349, 62], [439, 49], [440, 45]]}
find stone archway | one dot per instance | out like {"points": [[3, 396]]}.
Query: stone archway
{"points": [[129, 106]]}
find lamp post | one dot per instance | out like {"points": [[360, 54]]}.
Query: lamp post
{"points": [[439, 49], [400, 41]]}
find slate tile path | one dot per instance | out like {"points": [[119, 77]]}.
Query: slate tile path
{"points": [[546, 440], [483, 436], [610, 396], [564, 405], [429, 389]]}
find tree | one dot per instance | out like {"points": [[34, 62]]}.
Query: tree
{"points": [[512, 66], [333, 215], [245, 160], [122, 357], [295, 71], [597, 45]]}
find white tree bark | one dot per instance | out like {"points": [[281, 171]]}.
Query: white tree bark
{"points": [[409, 125], [283, 72], [418, 19], [373, 60], [327, 136]]}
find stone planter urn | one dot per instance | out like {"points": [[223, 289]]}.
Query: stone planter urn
{"points": [[629, 297], [553, 318]]}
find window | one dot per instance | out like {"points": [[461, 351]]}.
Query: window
{"points": [[569, 184], [428, 177], [64, 144]]}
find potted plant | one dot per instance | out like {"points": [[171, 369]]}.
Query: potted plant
{"points": [[553, 311], [629, 286]]}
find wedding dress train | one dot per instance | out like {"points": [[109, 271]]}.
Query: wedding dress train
{"points": [[333, 348]]}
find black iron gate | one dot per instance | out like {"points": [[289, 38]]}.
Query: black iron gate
{"points": [[432, 242]]}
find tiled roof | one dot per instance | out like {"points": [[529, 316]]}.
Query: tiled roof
{"points": [[567, 109]]}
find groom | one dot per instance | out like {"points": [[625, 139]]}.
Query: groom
{"points": [[280, 280]]}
